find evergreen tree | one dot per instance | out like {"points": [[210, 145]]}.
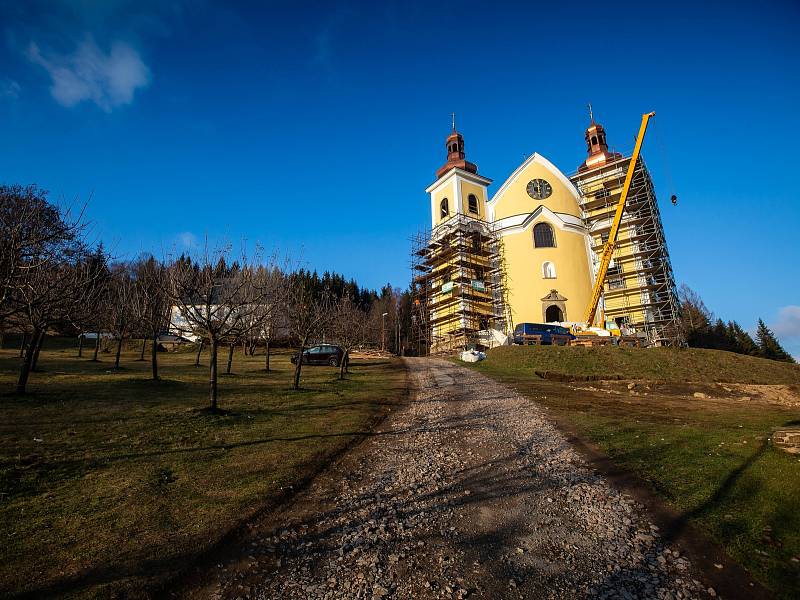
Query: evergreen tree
{"points": [[720, 338], [768, 344], [743, 341]]}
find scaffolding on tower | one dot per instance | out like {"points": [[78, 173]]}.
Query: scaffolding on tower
{"points": [[639, 290], [458, 286]]}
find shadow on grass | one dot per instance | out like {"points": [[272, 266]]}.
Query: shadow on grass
{"points": [[106, 574], [724, 489], [79, 466]]}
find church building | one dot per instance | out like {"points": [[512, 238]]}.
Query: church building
{"points": [[529, 253]]}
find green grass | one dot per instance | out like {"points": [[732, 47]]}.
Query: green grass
{"points": [[111, 482], [668, 364], [709, 459]]}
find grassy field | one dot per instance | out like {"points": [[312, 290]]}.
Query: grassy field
{"points": [[659, 364], [708, 458], [110, 482]]}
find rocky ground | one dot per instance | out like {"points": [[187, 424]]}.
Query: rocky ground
{"points": [[468, 492]]}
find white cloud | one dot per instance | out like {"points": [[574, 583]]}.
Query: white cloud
{"points": [[788, 323], [109, 80], [9, 89], [787, 329], [188, 240]]}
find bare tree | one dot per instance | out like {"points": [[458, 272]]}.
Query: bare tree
{"points": [[212, 298], [44, 271], [384, 319], [265, 313], [95, 308], [200, 345], [307, 316], [33, 234], [231, 341], [150, 303], [51, 294], [121, 306], [350, 327]]}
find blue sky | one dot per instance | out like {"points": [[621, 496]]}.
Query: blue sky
{"points": [[314, 128]]}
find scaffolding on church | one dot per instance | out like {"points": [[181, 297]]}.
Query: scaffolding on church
{"points": [[458, 286], [640, 287]]}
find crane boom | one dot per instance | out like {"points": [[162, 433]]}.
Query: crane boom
{"points": [[611, 244]]}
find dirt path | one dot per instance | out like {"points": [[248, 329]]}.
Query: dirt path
{"points": [[467, 492]]}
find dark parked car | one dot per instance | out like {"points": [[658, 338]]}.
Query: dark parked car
{"points": [[549, 334], [324, 354]]}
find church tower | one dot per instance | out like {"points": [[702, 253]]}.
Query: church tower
{"points": [[458, 189], [639, 291], [457, 284]]}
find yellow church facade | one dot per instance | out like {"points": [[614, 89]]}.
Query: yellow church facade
{"points": [[521, 256], [546, 246]]}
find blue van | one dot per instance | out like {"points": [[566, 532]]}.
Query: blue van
{"points": [[546, 330]]}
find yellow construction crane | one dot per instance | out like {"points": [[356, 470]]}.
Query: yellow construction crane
{"points": [[608, 249]]}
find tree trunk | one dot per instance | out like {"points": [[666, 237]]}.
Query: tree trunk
{"points": [[154, 357], [22, 344], [119, 351], [38, 347], [144, 345], [299, 366], [80, 346], [96, 346], [199, 350], [230, 358], [343, 365], [213, 375], [244, 348], [266, 358], [26, 363]]}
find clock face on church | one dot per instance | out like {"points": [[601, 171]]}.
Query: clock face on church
{"points": [[539, 189]]}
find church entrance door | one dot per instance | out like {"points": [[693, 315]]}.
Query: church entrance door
{"points": [[553, 314]]}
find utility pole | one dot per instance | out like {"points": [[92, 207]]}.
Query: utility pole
{"points": [[383, 331]]}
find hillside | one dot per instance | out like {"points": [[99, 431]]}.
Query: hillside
{"points": [[667, 364]]}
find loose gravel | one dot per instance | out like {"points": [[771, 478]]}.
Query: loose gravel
{"points": [[469, 491]]}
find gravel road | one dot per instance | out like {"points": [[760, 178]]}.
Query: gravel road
{"points": [[467, 492]]}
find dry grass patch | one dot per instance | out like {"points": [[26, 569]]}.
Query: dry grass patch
{"points": [[111, 482]]}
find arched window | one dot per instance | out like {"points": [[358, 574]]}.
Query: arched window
{"points": [[549, 270], [444, 209], [543, 236], [472, 204], [594, 140]]}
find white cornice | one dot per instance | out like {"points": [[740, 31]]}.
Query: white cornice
{"points": [[519, 223], [472, 177]]}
